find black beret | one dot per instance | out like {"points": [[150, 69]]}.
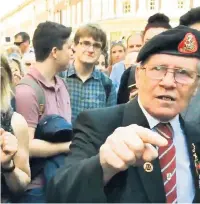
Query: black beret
{"points": [[180, 41]]}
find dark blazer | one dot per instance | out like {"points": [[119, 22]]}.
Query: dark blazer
{"points": [[81, 178]]}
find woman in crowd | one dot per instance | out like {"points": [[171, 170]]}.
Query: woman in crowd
{"points": [[17, 70], [102, 64], [117, 54], [156, 24], [15, 60], [14, 140]]}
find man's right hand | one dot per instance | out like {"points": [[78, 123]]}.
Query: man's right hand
{"points": [[128, 146]]}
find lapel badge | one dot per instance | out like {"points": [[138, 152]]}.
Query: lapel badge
{"points": [[188, 45], [148, 167]]}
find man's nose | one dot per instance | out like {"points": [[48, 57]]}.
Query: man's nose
{"points": [[91, 48], [168, 80]]}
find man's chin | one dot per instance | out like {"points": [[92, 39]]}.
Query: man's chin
{"points": [[165, 116], [89, 63]]}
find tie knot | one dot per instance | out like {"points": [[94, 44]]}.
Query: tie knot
{"points": [[165, 129]]}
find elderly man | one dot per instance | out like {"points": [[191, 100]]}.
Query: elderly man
{"points": [[141, 151]]}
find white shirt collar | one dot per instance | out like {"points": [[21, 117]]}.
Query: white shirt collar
{"points": [[153, 121]]}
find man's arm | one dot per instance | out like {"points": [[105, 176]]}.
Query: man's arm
{"points": [[41, 148], [19, 178]]}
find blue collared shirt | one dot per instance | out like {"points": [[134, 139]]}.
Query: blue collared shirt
{"points": [[116, 74], [89, 94], [184, 180]]}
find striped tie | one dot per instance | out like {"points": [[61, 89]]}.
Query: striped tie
{"points": [[167, 158]]}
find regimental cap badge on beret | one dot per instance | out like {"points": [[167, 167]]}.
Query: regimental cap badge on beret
{"points": [[188, 44]]}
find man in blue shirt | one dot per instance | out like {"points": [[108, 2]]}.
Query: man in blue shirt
{"points": [[88, 87]]}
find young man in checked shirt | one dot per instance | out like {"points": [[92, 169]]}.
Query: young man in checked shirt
{"points": [[86, 84]]}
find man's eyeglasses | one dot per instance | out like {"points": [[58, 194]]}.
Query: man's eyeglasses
{"points": [[18, 43], [181, 75], [87, 44]]}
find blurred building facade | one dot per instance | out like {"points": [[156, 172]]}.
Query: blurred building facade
{"points": [[117, 17]]}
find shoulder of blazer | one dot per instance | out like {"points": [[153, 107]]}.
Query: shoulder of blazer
{"points": [[102, 121]]}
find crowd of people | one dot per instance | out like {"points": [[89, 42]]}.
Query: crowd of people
{"points": [[84, 121]]}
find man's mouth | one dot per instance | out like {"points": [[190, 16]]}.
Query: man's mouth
{"points": [[166, 98]]}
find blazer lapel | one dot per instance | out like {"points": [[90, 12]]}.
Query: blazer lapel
{"points": [[152, 181]]}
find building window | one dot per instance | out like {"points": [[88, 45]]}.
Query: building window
{"points": [[126, 6], [180, 4], [152, 5]]}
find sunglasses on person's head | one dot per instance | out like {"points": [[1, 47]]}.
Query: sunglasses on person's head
{"points": [[28, 64], [18, 43], [116, 42]]}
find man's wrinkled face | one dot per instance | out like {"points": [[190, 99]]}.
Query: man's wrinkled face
{"points": [[134, 43], [88, 50], [165, 98]]}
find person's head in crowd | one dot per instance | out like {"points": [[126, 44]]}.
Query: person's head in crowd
{"points": [[22, 40], [191, 18], [71, 53], [89, 41], [101, 62], [6, 84], [17, 70], [134, 43], [117, 53], [130, 59], [169, 71], [13, 51], [156, 24], [28, 60], [50, 42]]}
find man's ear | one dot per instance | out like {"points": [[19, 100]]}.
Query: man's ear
{"points": [[54, 52]]}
